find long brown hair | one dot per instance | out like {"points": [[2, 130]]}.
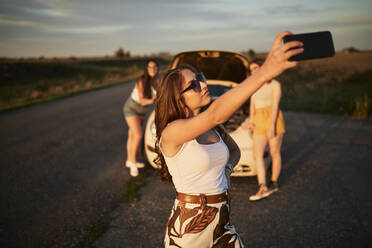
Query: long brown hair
{"points": [[169, 107], [146, 80]]}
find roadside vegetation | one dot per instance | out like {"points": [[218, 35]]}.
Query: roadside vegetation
{"points": [[338, 85], [28, 81]]}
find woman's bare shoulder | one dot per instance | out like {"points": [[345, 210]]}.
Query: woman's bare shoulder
{"points": [[139, 81], [171, 129], [169, 143]]}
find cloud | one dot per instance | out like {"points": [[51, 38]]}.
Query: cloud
{"points": [[331, 22], [21, 23], [149, 25], [293, 9], [43, 27], [87, 30], [48, 12]]}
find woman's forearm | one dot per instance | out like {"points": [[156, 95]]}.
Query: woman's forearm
{"points": [[146, 101], [276, 62]]}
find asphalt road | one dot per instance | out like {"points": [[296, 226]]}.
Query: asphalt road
{"points": [[61, 171], [324, 198], [61, 167]]}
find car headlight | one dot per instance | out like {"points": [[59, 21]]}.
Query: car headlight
{"points": [[153, 130]]}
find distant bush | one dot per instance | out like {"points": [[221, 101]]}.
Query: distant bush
{"points": [[120, 53], [351, 50], [251, 53]]}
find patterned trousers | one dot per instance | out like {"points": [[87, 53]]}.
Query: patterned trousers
{"points": [[199, 226]]}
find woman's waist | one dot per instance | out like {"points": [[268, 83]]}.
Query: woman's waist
{"points": [[264, 108], [214, 191], [138, 103], [194, 188], [206, 198]]}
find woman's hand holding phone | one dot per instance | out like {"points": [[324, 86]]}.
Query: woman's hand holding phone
{"points": [[277, 60]]}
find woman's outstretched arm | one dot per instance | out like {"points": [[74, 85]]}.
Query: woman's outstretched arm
{"points": [[183, 130]]}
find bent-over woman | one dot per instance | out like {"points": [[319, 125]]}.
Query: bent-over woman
{"points": [[135, 109]]}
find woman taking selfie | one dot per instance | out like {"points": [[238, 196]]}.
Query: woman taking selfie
{"points": [[195, 156], [266, 120], [135, 109]]}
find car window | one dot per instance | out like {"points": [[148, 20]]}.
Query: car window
{"points": [[217, 90]]}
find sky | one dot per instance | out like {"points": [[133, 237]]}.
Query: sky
{"points": [[63, 28]]}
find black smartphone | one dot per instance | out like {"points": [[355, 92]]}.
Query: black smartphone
{"points": [[316, 45]]}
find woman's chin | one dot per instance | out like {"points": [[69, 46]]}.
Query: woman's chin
{"points": [[207, 101]]}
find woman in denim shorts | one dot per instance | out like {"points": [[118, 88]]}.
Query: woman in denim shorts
{"points": [[135, 109]]}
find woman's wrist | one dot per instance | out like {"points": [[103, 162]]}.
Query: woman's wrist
{"points": [[262, 75]]}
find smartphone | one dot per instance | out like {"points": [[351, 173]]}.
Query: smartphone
{"points": [[316, 45]]}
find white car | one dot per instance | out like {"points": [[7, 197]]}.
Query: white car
{"points": [[223, 70]]}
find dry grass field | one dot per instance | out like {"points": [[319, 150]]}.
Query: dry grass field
{"points": [[29, 81], [338, 85]]}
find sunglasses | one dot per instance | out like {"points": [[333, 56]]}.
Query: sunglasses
{"points": [[195, 83]]}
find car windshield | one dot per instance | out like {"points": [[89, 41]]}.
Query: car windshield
{"points": [[216, 65], [217, 90]]}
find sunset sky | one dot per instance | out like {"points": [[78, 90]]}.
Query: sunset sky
{"points": [[32, 28]]}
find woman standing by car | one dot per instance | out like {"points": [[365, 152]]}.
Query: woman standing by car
{"points": [[266, 120], [194, 155], [135, 108]]}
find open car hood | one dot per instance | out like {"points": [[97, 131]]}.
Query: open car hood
{"points": [[219, 67]]}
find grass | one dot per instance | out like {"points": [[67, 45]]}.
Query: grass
{"points": [[130, 194], [132, 187], [340, 85], [28, 82], [95, 232]]}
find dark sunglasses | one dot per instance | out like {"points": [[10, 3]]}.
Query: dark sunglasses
{"points": [[195, 83]]}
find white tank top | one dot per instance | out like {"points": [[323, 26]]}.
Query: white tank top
{"points": [[198, 168], [135, 95], [263, 97]]}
